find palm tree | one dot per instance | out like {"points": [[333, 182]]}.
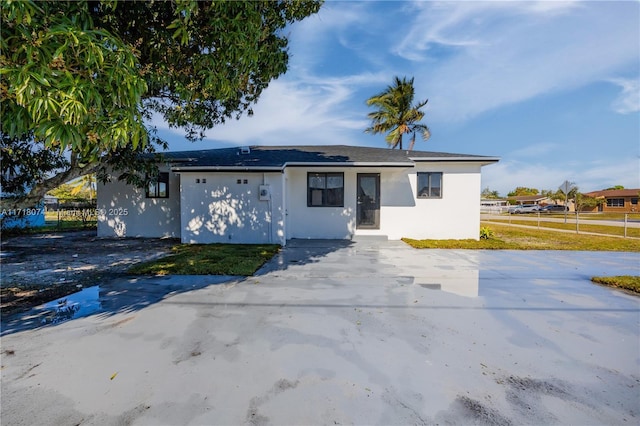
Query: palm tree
{"points": [[396, 115], [85, 185]]}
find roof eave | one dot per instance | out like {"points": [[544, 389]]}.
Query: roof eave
{"points": [[350, 164], [227, 169], [483, 160]]}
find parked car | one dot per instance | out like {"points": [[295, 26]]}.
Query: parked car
{"points": [[524, 208], [554, 208]]}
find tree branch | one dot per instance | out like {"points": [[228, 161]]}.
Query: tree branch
{"points": [[38, 191]]}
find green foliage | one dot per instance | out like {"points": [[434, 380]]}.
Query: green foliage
{"points": [[523, 190], [557, 196], [69, 84], [486, 233], [614, 187], [210, 259], [65, 192], [80, 189], [489, 194], [26, 162], [84, 186], [584, 202], [80, 77], [396, 114]]}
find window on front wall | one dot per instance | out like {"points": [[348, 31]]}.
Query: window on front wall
{"points": [[634, 201], [615, 202], [325, 190], [158, 188], [429, 184]]}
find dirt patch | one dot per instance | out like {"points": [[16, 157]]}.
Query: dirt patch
{"points": [[42, 267]]}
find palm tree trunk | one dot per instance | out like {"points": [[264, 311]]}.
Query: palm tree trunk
{"points": [[413, 141], [400, 142]]}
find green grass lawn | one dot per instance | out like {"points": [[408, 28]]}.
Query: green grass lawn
{"points": [[627, 282], [512, 238], [587, 216], [608, 216], [583, 226], [210, 259]]}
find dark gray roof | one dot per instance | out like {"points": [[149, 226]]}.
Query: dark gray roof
{"points": [[277, 157]]}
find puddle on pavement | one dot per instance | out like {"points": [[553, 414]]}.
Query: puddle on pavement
{"points": [[109, 298], [80, 304]]}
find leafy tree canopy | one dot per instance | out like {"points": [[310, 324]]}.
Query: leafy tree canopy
{"points": [[67, 192], [584, 202], [396, 113], [487, 193], [79, 189], [79, 78], [557, 195], [522, 190], [614, 187]]}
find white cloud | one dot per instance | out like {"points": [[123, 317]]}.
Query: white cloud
{"points": [[468, 23], [309, 39], [628, 101], [307, 111], [479, 56]]}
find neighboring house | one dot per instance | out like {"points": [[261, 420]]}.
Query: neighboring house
{"points": [[531, 199], [616, 200], [32, 217], [276, 193]]}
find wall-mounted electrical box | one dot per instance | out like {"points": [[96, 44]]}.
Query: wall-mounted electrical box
{"points": [[265, 193]]}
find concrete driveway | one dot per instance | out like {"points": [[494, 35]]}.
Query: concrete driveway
{"points": [[347, 333]]}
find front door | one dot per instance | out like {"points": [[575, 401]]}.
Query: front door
{"points": [[368, 210]]}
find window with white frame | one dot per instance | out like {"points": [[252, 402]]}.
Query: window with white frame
{"points": [[325, 190], [429, 184]]}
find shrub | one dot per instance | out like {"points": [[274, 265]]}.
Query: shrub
{"points": [[486, 233]]}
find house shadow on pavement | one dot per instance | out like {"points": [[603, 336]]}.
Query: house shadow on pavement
{"points": [[121, 295], [127, 294], [302, 252]]}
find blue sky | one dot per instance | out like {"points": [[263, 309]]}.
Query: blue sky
{"points": [[552, 88]]}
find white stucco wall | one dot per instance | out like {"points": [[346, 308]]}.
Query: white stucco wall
{"points": [[124, 211], [224, 211], [454, 216], [319, 222]]}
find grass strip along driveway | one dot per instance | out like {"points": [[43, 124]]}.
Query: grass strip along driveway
{"points": [[209, 259], [627, 282], [511, 238]]}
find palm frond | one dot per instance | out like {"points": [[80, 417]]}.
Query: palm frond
{"points": [[396, 114]]}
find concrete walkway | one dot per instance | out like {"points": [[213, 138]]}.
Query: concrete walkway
{"points": [[335, 332]]}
